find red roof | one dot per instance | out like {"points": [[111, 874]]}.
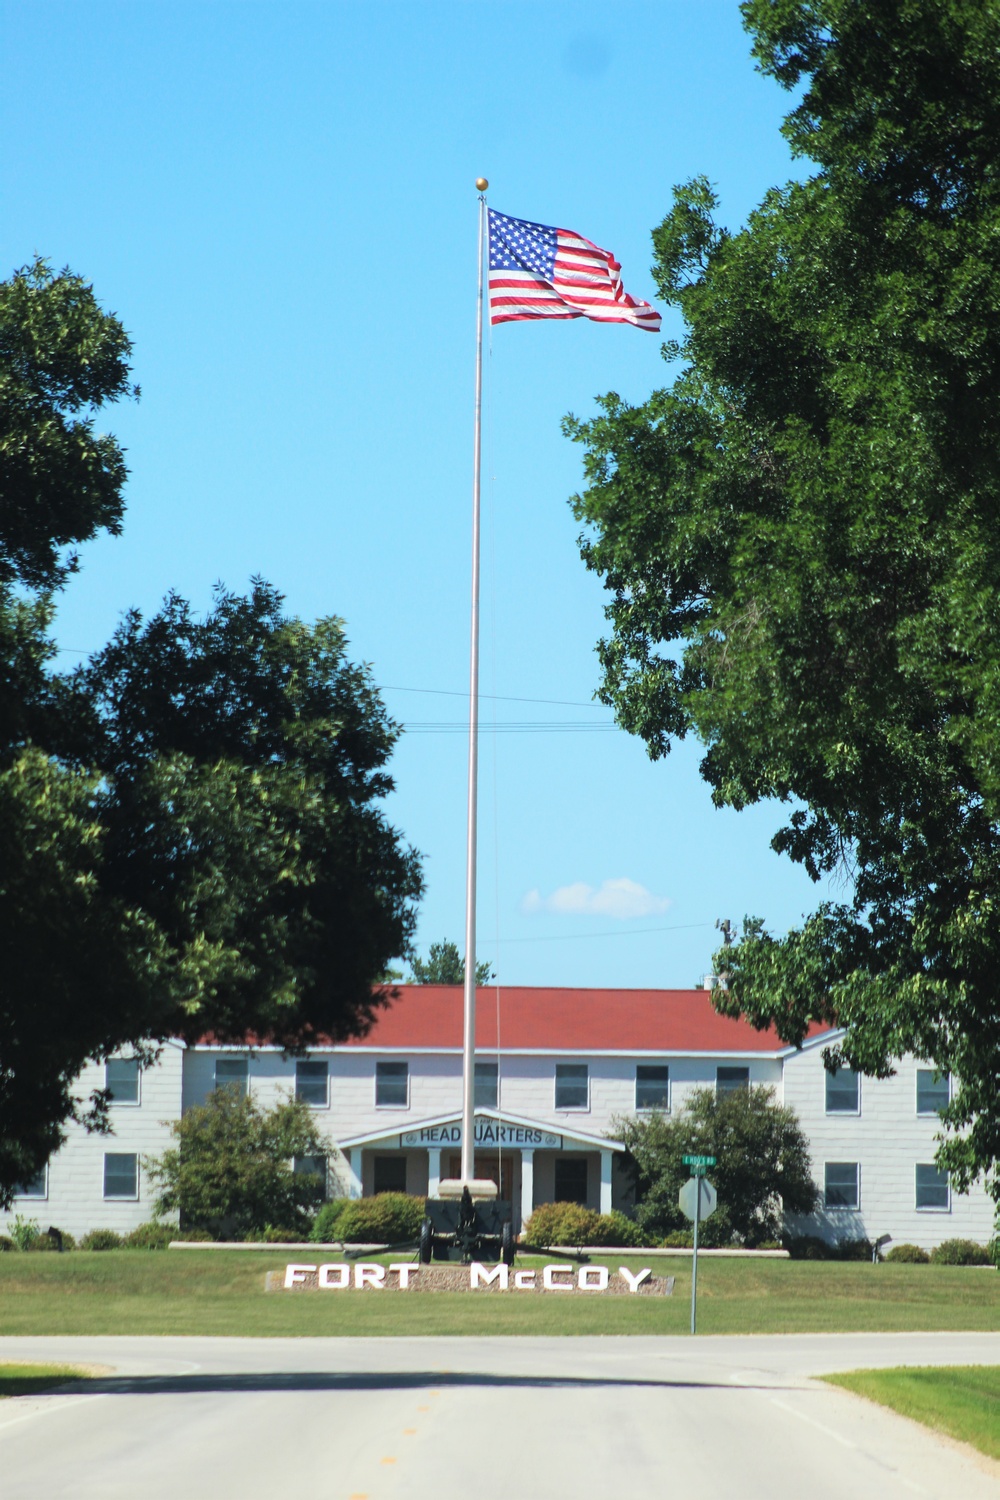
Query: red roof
{"points": [[570, 1020]]}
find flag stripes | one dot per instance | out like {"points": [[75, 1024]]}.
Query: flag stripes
{"points": [[537, 271]]}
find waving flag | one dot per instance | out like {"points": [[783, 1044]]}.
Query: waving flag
{"points": [[540, 272]]}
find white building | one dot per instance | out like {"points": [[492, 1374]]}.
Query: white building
{"points": [[566, 1065]]}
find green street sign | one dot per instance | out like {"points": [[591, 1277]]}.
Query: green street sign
{"points": [[698, 1161]]}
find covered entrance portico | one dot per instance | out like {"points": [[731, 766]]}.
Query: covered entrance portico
{"points": [[526, 1158]]}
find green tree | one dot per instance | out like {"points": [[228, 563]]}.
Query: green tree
{"points": [[762, 1169], [192, 833], [445, 965], [61, 359], [233, 1169], [199, 847], [800, 536]]}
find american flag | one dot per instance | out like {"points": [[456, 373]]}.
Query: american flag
{"points": [[540, 272]]}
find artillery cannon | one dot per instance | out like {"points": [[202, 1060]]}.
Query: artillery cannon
{"points": [[467, 1222]]}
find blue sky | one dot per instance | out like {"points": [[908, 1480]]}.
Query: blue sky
{"points": [[278, 200]]}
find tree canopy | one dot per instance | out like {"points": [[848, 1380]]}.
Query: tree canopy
{"points": [[237, 1169], [799, 534], [192, 829], [445, 965], [61, 359], [762, 1169]]}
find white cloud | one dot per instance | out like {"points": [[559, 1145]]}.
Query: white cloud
{"points": [[621, 899]]}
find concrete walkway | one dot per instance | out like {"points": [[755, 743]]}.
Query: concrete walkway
{"points": [[482, 1419]]}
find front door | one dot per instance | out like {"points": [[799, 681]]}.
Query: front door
{"points": [[496, 1169]]}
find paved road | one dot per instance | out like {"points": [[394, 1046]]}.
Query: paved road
{"points": [[481, 1419]]}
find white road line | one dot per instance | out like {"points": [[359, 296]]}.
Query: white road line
{"points": [[55, 1404]]}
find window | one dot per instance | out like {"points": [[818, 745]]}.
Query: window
{"points": [[652, 1086], [485, 1096], [312, 1083], [392, 1084], [841, 1184], [232, 1073], [728, 1080], [571, 1086], [390, 1174], [312, 1166], [35, 1187], [932, 1188], [933, 1091], [571, 1179], [121, 1079], [121, 1175], [843, 1095]]}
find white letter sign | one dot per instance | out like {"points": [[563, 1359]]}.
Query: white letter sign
{"points": [[369, 1273], [343, 1274], [524, 1281], [593, 1279], [295, 1274], [634, 1282], [550, 1283], [404, 1271], [479, 1276]]}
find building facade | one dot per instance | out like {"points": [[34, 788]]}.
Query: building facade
{"points": [[556, 1070]]}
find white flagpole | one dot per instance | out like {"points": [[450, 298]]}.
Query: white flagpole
{"points": [[469, 1026]]}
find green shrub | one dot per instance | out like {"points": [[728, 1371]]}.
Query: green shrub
{"points": [[572, 1224], [617, 1229], [769, 1245], [6, 1244], [678, 1239], [809, 1247], [326, 1225], [151, 1236], [101, 1239], [908, 1255], [387, 1219], [960, 1253], [24, 1231], [544, 1226], [274, 1234], [855, 1250], [195, 1235], [562, 1224], [48, 1241]]}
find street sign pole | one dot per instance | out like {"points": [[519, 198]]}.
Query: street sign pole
{"points": [[694, 1260], [689, 1200]]}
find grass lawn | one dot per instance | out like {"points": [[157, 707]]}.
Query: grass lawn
{"points": [[33, 1380], [961, 1400], [222, 1292]]}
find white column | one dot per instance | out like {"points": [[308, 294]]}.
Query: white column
{"points": [[606, 1182], [433, 1170], [356, 1190], [527, 1183]]}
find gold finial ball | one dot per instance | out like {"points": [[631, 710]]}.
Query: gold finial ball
{"points": [[481, 184]]}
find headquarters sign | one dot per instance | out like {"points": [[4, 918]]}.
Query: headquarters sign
{"points": [[489, 1132]]}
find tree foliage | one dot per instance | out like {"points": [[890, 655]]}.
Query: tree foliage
{"points": [[232, 1170], [762, 1168], [61, 359], [192, 827], [199, 847], [445, 965], [799, 534]]}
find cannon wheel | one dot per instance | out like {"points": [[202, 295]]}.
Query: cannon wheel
{"points": [[426, 1242], [507, 1244]]}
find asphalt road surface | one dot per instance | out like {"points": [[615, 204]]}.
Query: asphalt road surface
{"points": [[481, 1419]]}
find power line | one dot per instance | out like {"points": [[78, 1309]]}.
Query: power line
{"points": [[571, 937]]}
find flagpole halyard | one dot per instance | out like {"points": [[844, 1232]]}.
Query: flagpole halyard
{"points": [[469, 1009]]}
